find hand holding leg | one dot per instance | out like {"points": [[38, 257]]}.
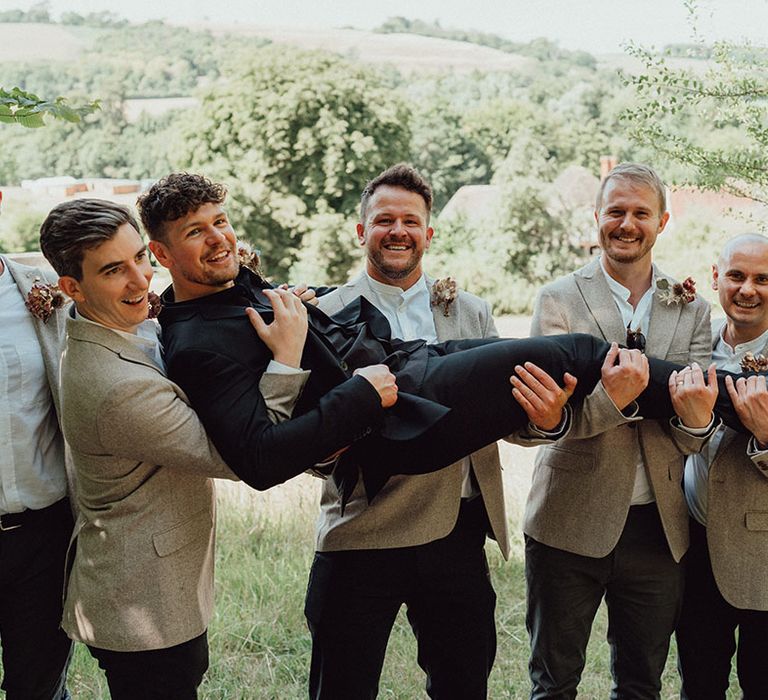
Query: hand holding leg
{"points": [[540, 396]]}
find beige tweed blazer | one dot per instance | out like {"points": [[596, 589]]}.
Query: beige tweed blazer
{"points": [[582, 485], [414, 510], [142, 575], [737, 520]]}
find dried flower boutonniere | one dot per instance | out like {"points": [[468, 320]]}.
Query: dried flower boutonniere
{"points": [[155, 305], [44, 299], [678, 293], [444, 292], [754, 363], [248, 257]]}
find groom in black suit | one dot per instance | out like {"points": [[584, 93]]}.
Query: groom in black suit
{"points": [[378, 400]]}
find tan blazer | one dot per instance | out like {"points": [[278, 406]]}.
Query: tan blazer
{"points": [[737, 520], [582, 485], [142, 576], [413, 510]]}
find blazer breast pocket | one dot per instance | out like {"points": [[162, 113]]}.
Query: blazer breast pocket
{"points": [[757, 520], [558, 457], [199, 526]]}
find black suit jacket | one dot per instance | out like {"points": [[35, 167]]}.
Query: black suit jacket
{"points": [[212, 352]]}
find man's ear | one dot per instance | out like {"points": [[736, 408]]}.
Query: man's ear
{"points": [[663, 221], [71, 287], [160, 251], [430, 233], [360, 234], [714, 277]]}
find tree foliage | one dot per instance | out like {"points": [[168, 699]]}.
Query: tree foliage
{"points": [[295, 134], [713, 122]]}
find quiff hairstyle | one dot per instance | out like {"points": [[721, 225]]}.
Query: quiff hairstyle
{"points": [[637, 173], [400, 175], [175, 196], [73, 227]]}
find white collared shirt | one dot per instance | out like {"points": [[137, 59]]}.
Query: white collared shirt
{"points": [[32, 474], [638, 319], [409, 311], [697, 465]]}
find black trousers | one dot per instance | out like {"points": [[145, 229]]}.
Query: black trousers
{"points": [[643, 588], [354, 596], [706, 634], [36, 651], [157, 674], [471, 377]]}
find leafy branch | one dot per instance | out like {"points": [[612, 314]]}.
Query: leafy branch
{"points": [[18, 106], [713, 121]]}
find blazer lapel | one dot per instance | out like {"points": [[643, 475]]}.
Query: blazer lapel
{"points": [[661, 330], [92, 333], [358, 286], [599, 300]]}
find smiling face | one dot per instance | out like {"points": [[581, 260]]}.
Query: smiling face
{"points": [[628, 222], [115, 281], [741, 280], [395, 235], [200, 251]]}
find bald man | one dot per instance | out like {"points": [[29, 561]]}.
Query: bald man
{"points": [[726, 487]]}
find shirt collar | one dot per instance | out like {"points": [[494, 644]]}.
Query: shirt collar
{"points": [[755, 346], [146, 331], [389, 289], [619, 289]]}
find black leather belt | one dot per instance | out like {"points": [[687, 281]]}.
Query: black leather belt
{"points": [[13, 521]]}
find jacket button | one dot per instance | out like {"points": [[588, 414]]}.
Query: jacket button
{"points": [[344, 365]]}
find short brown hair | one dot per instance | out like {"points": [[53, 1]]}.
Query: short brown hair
{"points": [[175, 196], [73, 227], [400, 175], [638, 173]]}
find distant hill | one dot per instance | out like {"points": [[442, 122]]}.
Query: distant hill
{"points": [[43, 42], [406, 52]]}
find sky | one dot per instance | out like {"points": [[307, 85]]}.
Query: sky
{"points": [[598, 26]]}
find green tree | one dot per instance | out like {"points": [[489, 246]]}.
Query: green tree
{"points": [[294, 134], [527, 240], [710, 124]]}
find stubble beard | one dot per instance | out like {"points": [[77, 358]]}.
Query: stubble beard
{"points": [[393, 272]]}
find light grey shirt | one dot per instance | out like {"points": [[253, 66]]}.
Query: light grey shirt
{"points": [[32, 474], [697, 465]]}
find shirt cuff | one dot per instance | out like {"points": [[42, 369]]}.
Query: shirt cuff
{"points": [[558, 432], [696, 432], [275, 367], [753, 449]]}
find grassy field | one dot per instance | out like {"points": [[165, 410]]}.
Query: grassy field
{"points": [[259, 642]]}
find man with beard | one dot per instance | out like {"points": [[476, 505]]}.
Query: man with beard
{"points": [[606, 515], [421, 541]]}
